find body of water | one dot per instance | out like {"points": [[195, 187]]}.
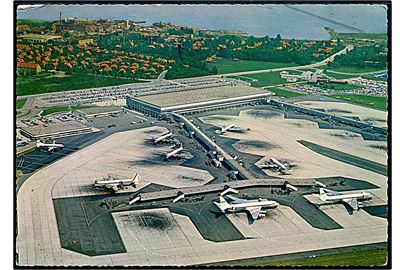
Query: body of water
{"points": [[291, 21]]}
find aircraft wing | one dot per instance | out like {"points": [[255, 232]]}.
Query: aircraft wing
{"points": [[331, 192], [50, 149], [353, 203], [114, 187], [236, 200], [254, 212]]}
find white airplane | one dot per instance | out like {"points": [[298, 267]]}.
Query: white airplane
{"points": [[115, 184], [49, 146], [231, 127], [284, 167], [176, 153], [353, 199], [164, 138], [252, 207]]}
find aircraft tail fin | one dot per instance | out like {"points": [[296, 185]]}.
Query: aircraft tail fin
{"points": [[222, 205], [322, 194], [136, 179], [221, 199]]}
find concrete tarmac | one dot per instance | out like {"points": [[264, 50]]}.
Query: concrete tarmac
{"points": [[38, 242]]}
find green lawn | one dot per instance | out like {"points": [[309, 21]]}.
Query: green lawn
{"points": [[63, 109], [285, 93], [30, 85], [231, 66], [33, 23], [354, 69], [270, 77], [377, 257], [369, 101], [20, 113], [264, 79], [20, 103], [340, 86]]}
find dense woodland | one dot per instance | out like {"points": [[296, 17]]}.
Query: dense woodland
{"points": [[367, 56], [185, 53]]}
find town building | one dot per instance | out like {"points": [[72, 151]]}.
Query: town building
{"points": [[29, 68]]}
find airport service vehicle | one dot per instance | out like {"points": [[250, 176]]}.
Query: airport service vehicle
{"points": [[353, 199], [255, 208], [284, 167], [231, 128], [116, 184], [49, 146], [164, 138]]}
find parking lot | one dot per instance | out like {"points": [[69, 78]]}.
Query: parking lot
{"points": [[116, 93]]}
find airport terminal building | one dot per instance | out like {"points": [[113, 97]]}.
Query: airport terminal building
{"points": [[98, 111], [56, 130], [196, 99]]}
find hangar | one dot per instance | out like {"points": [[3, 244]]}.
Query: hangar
{"points": [[196, 99]]}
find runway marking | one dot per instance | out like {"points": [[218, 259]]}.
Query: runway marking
{"points": [[97, 216], [85, 216]]}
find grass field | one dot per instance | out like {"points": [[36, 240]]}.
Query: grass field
{"points": [[230, 66], [377, 257], [20, 113], [369, 101], [20, 103], [264, 79], [33, 23], [63, 109], [38, 36], [354, 70], [285, 93], [270, 77], [43, 83]]}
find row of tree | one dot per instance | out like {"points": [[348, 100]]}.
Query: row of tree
{"points": [[368, 56]]}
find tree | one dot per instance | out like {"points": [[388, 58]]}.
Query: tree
{"points": [[67, 35]]}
